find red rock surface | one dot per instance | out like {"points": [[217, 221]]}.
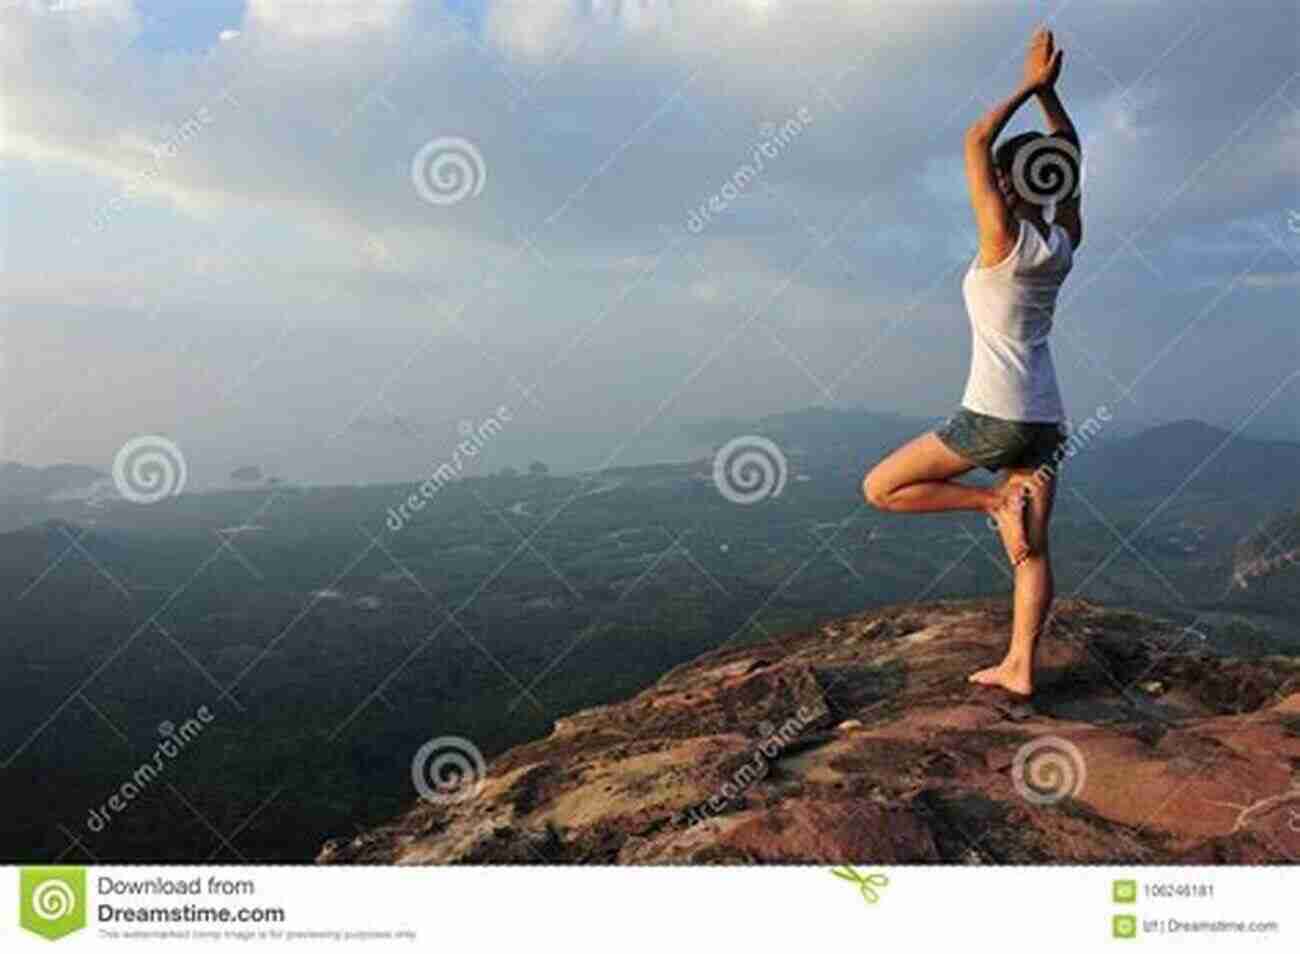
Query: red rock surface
{"points": [[860, 741]]}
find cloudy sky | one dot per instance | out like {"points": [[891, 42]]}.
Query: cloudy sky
{"points": [[320, 236]]}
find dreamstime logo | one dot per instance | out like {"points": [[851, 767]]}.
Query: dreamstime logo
{"points": [[1047, 171], [1048, 769], [171, 145], [774, 140], [474, 437], [52, 901], [448, 170], [448, 769], [1077, 438], [773, 742], [749, 469], [149, 469], [175, 739]]}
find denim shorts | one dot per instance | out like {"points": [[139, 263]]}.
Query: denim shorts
{"points": [[996, 444]]}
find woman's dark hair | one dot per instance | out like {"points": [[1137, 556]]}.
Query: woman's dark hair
{"points": [[1004, 156]]}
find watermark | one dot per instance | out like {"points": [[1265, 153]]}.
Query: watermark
{"points": [[776, 139], [377, 95], [148, 469], [448, 170], [775, 740], [448, 769], [168, 148], [749, 469], [474, 437], [868, 885], [1048, 770], [1047, 170], [175, 740], [52, 901], [1077, 438]]}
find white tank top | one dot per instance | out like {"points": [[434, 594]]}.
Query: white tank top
{"points": [[1011, 305]]}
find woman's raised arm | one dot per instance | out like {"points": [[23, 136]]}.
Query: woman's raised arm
{"points": [[1068, 213], [993, 218]]}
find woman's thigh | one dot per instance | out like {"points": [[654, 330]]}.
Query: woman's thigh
{"points": [[923, 458]]}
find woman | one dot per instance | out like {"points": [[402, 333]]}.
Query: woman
{"points": [[1011, 415]]}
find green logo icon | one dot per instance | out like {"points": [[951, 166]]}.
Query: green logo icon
{"points": [[52, 901], [1124, 892], [867, 884], [1124, 926]]}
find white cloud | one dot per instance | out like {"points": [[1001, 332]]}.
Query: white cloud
{"points": [[602, 124], [324, 19]]}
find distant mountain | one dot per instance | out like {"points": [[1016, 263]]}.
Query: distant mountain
{"points": [[824, 435], [41, 483], [392, 425], [1193, 454], [1156, 462]]}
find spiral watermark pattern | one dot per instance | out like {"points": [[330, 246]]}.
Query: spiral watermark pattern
{"points": [[1048, 769], [448, 769], [53, 899], [749, 469], [149, 469], [1047, 170], [448, 170]]}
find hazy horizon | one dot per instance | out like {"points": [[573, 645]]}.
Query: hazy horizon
{"points": [[398, 459]]}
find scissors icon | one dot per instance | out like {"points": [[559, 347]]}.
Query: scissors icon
{"points": [[867, 884]]}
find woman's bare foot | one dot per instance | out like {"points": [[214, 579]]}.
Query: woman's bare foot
{"points": [[1009, 512], [1014, 678]]}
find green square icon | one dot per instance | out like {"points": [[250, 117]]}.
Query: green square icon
{"points": [[52, 901], [1124, 926], [1124, 892]]}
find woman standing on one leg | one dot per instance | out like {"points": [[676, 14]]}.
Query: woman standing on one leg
{"points": [[1011, 415]]}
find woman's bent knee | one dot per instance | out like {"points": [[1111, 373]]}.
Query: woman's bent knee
{"points": [[876, 491]]}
